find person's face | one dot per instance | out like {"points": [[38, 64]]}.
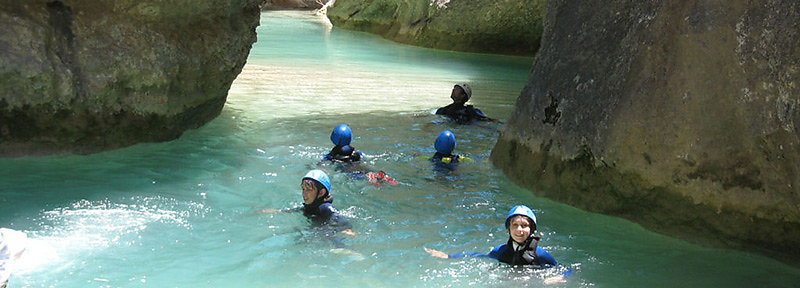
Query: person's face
{"points": [[310, 192], [458, 94], [519, 228]]}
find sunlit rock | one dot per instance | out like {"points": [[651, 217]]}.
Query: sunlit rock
{"points": [[683, 116], [81, 76], [489, 26]]}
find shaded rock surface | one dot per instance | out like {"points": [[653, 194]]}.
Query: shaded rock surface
{"points": [[81, 76], [491, 26], [293, 4], [682, 116]]}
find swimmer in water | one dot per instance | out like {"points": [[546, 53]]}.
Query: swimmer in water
{"points": [[348, 158], [460, 113], [341, 136], [318, 204], [445, 144], [522, 247]]}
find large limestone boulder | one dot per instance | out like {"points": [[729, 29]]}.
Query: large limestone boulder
{"points": [[490, 26], [90, 75], [683, 116], [293, 4]]}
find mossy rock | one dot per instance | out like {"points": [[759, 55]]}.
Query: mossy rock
{"points": [[503, 27]]}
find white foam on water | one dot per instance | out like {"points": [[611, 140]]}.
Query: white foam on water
{"points": [[68, 234]]}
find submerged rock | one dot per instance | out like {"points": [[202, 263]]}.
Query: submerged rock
{"points": [[489, 26], [681, 116], [81, 76]]}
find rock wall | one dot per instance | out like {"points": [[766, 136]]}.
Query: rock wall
{"points": [[81, 76], [490, 26], [683, 116], [293, 4]]}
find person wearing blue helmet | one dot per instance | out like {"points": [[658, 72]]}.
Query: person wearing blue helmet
{"points": [[341, 136], [522, 247], [318, 203], [445, 144], [344, 154], [457, 111]]}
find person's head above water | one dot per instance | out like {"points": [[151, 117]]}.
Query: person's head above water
{"points": [[315, 184], [461, 93], [520, 223], [341, 135], [445, 142]]}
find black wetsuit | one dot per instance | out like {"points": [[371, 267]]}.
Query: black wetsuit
{"points": [[323, 214], [524, 256], [449, 161], [344, 153], [530, 254], [325, 220], [462, 114]]}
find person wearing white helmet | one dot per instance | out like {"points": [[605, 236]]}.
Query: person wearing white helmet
{"points": [[457, 111], [318, 203], [12, 244], [522, 246]]}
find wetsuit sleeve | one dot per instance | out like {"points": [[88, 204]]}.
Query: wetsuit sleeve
{"points": [[326, 210], [477, 113], [446, 110], [335, 219], [545, 259], [293, 209], [330, 155], [494, 254]]}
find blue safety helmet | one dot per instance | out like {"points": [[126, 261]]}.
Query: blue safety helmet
{"points": [[341, 135], [445, 142], [321, 177], [521, 210]]}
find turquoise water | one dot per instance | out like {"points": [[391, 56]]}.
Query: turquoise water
{"points": [[178, 214]]}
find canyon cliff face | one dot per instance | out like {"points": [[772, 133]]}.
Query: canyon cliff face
{"points": [[683, 116], [490, 26], [293, 4], [82, 76]]}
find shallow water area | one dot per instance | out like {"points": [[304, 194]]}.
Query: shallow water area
{"points": [[178, 214]]}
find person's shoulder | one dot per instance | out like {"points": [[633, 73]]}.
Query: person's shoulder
{"points": [[476, 113], [497, 251], [327, 209], [544, 257], [446, 109], [500, 248]]}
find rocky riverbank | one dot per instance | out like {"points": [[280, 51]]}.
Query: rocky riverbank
{"points": [[80, 76], [488, 26], [681, 116]]}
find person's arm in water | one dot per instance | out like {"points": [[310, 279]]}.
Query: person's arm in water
{"points": [[340, 225], [545, 260], [273, 211], [478, 114], [439, 254]]}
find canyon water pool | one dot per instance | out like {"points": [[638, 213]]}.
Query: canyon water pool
{"points": [[179, 213]]}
